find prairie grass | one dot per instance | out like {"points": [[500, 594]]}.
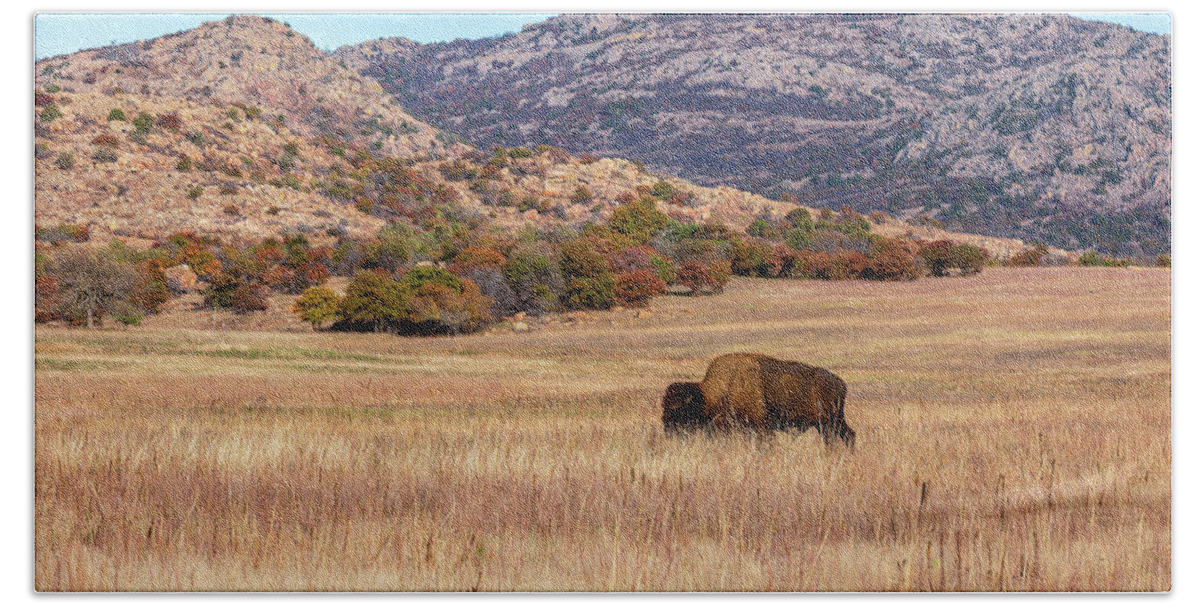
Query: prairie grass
{"points": [[1014, 433]]}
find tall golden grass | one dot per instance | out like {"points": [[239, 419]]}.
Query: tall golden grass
{"points": [[1014, 433]]}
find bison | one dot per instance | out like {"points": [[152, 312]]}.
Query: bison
{"points": [[761, 392], [683, 407]]}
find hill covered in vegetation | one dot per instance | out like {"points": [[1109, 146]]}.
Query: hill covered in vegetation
{"points": [[1041, 127]]}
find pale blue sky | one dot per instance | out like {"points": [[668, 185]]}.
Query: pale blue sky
{"points": [[56, 34], [1155, 23]]}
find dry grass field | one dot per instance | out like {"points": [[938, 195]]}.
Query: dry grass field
{"points": [[1014, 433]]}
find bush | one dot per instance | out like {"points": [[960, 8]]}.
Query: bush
{"points": [[1163, 260], [893, 260], [644, 257], [536, 280], [143, 122], [53, 88], [170, 121], [1029, 257], [427, 300], [783, 261], [106, 139], [227, 290], [373, 302], [438, 308], [194, 192], [704, 277], [151, 290], [751, 257], [799, 219], [937, 257], [590, 282], [635, 223], [50, 113], [637, 287], [91, 284], [104, 154], [837, 266], [662, 190], [65, 161], [969, 258], [317, 305], [418, 276], [493, 284], [477, 257], [116, 114]]}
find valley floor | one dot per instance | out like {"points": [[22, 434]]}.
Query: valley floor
{"points": [[1014, 433]]}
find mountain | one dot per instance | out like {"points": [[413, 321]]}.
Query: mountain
{"points": [[243, 129], [1041, 127]]}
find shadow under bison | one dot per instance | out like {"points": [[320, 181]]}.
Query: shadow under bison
{"points": [[760, 393]]}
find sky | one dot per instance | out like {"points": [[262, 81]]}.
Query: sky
{"points": [[57, 34]]}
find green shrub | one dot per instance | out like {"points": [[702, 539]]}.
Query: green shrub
{"points": [[589, 283], [104, 154], [195, 191], [143, 122], [635, 223], [50, 113], [1091, 258], [116, 114], [317, 305], [536, 280], [53, 88], [750, 257], [800, 219], [1163, 260], [418, 276], [65, 161], [662, 190], [969, 258]]}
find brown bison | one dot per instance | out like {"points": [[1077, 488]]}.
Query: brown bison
{"points": [[683, 407], [762, 392]]}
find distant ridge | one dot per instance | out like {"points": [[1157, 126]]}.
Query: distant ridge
{"points": [[1042, 127]]}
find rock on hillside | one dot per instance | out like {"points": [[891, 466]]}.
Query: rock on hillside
{"points": [[254, 62], [1039, 126]]}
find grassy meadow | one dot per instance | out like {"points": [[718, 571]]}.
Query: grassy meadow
{"points": [[1014, 433]]}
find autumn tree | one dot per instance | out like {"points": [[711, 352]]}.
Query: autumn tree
{"points": [[91, 284]]}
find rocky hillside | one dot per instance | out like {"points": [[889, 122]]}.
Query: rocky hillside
{"points": [[1043, 127], [243, 129]]}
